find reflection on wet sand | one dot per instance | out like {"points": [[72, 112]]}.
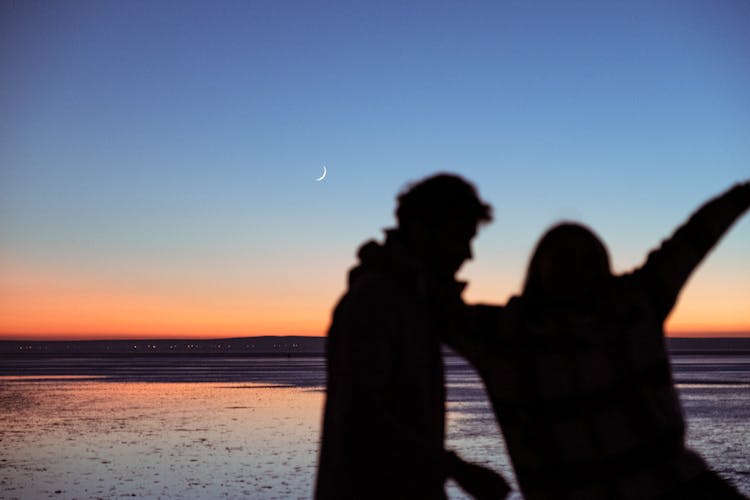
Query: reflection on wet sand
{"points": [[198, 440], [233, 427]]}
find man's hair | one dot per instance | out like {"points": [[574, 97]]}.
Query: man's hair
{"points": [[438, 198]]}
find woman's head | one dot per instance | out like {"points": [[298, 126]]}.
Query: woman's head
{"points": [[569, 267]]}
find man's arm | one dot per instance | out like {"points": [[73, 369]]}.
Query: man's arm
{"points": [[360, 353], [479, 481], [475, 332], [667, 269], [365, 356]]}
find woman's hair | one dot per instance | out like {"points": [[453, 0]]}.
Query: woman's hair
{"points": [[570, 265]]}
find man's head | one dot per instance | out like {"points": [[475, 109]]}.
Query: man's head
{"points": [[438, 217], [570, 267]]}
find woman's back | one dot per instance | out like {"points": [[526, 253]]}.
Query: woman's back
{"points": [[587, 403], [578, 372]]}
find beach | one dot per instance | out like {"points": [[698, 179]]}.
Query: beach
{"points": [[234, 427]]}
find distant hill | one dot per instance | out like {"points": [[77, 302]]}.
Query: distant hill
{"points": [[274, 345], [247, 346]]}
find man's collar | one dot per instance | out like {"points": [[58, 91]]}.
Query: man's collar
{"points": [[407, 262]]}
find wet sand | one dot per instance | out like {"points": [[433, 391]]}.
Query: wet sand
{"points": [[249, 428]]}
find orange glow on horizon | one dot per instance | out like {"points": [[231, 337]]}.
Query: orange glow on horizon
{"points": [[37, 304], [132, 317], [131, 320]]}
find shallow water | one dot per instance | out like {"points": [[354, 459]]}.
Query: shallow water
{"points": [[248, 427]]}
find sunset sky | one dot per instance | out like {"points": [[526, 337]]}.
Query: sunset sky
{"points": [[157, 159]]}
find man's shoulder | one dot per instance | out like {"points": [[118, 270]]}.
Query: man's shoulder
{"points": [[372, 287], [372, 301]]}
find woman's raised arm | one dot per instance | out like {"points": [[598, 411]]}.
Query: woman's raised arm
{"points": [[667, 269]]}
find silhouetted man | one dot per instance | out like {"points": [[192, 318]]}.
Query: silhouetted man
{"points": [[383, 428]]}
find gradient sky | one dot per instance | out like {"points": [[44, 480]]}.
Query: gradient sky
{"points": [[158, 158]]}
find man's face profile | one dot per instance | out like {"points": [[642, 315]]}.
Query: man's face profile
{"points": [[445, 247]]}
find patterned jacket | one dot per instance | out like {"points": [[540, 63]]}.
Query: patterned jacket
{"points": [[586, 401]]}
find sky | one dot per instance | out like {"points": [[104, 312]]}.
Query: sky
{"points": [[158, 159]]}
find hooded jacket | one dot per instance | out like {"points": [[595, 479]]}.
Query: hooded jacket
{"points": [[383, 428]]}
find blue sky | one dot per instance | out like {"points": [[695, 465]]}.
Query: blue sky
{"points": [[143, 142]]}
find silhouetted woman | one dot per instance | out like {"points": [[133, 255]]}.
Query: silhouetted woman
{"points": [[578, 373]]}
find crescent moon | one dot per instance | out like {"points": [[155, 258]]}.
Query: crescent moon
{"points": [[324, 174]]}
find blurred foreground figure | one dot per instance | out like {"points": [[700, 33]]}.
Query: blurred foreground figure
{"points": [[384, 429], [578, 372]]}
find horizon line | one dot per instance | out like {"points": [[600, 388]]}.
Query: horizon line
{"points": [[128, 338]]}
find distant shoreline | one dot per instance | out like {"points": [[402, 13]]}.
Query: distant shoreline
{"points": [[243, 346], [273, 346], [186, 355]]}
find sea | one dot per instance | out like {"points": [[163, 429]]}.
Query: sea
{"points": [[210, 427]]}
